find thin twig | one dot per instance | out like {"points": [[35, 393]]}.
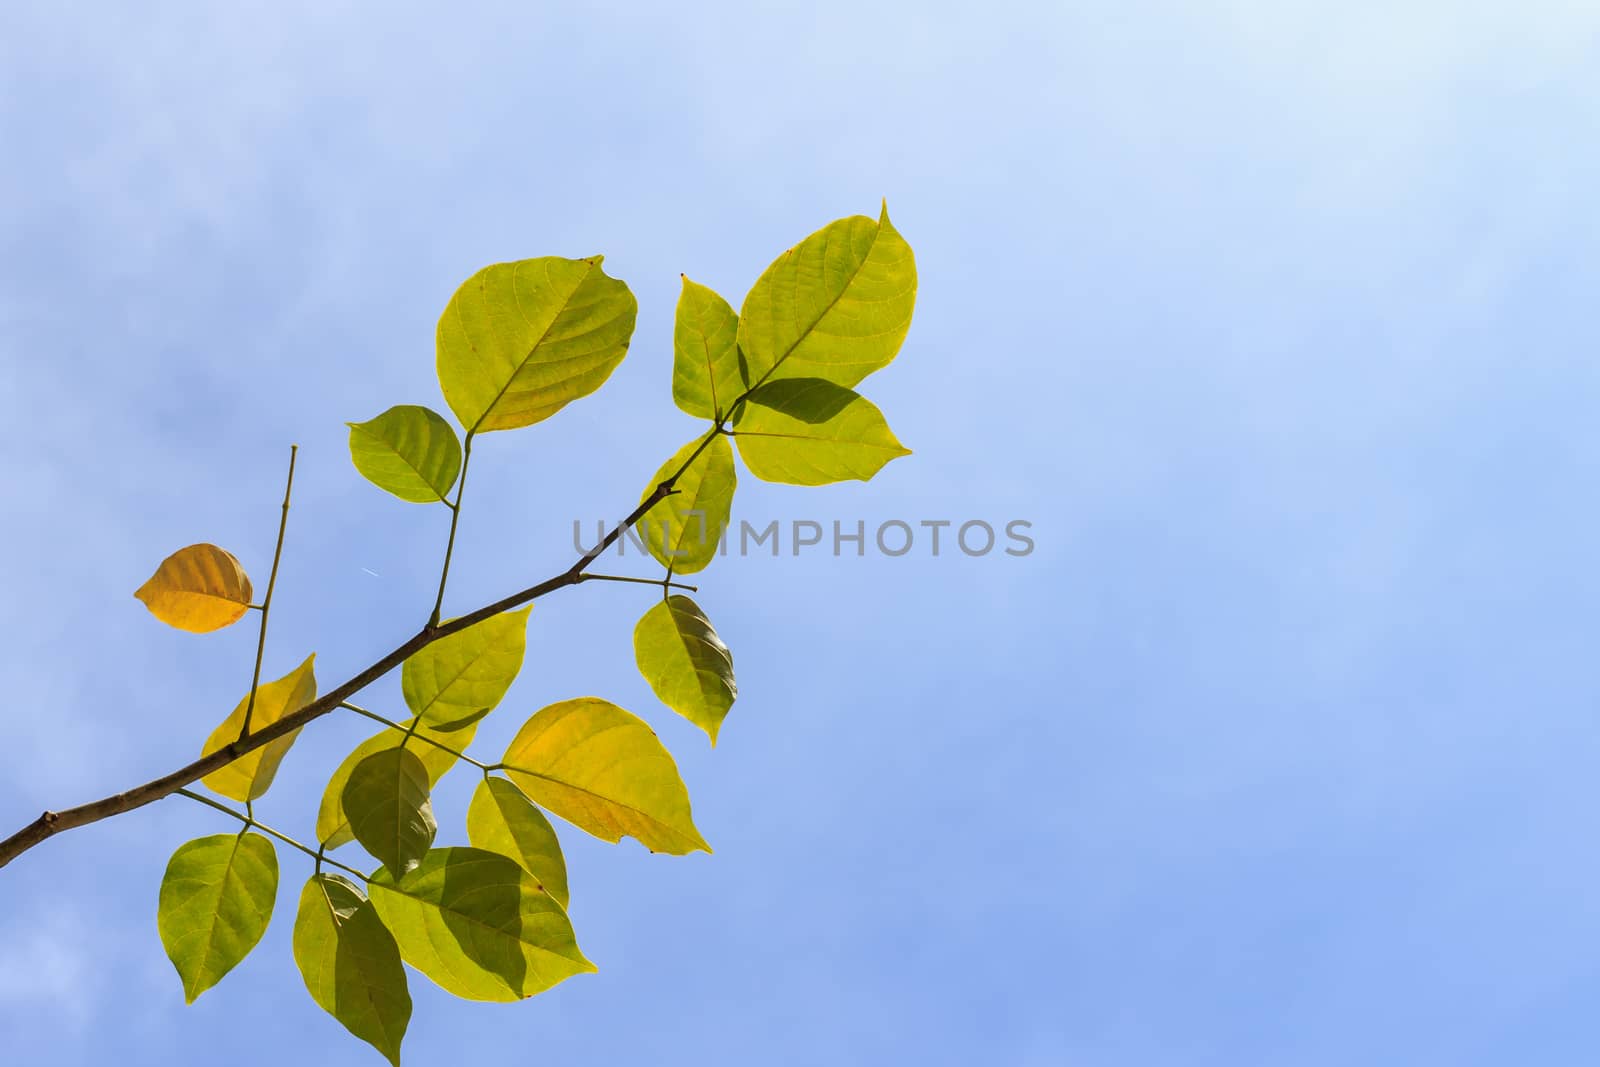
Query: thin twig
{"points": [[250, 820], [663, 582], [266, 605], [411, 731], [455, 517]]}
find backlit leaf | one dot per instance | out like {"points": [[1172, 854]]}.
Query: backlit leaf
{"points": [[684, 530], [705, 363], [200, 588], [333, 827], [806, 431], [519, 341], [836, 306], [351, 964], [459, 679], [502, 820], [686, 663], [216, 901], [604, 771], [478, 925], [390, 812], [249, 776], [409, 451]]}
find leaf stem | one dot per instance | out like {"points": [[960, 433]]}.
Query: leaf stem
{"points": [[411, 731], [250, 820], [266, 605], [450, 545], [665, 583]]}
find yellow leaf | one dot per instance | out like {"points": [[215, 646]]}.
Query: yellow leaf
{"points": [[249, 776], [200, 588], [520, 341], [604, 771], [836, 306]]}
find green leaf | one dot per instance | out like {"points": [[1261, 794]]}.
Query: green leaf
{"points": [[200, 588], [502, 820], [705, 365], [806, 431], [479, 925], [836, 306], [351, 964], [216, 901], [604, 771], [333, 827], [387, 803], [409, 451], [249, 776], [519, 341], [686, 663], [460, 679], [684, 531]]}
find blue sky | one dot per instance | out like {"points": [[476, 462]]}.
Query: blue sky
{"points": [[1275, 320]]}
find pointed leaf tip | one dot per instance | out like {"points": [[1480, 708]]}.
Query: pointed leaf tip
{"points": [[215, 903], [809, 431], [503, 821], [836, 306], [351, 964], [479, 925], [604, 770], [686, 663]]}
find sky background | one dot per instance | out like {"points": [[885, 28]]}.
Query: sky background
{"points": [[1277, 321]]}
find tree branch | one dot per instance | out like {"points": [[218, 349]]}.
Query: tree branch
{"points": [[51, 823]]}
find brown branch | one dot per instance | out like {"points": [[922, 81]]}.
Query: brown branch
{"points": [[54, 822]]}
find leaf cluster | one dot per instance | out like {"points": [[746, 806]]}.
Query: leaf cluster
{"points": [[774, 382]]}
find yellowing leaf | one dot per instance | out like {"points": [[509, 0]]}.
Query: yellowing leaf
{"points": [[390, 812], [333, 828], [705, 364], [478, 925], [351, 964], [216, 901], [249, 776], [519, 341], [604, 771], [459, 679], [684, 531], [836, 306], [200, 588], [806, 431], [686, 663], [504, 821], [409, 451]]}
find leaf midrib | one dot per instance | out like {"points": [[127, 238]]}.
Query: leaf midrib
{"points": [[515, 295], [824, 313]]}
